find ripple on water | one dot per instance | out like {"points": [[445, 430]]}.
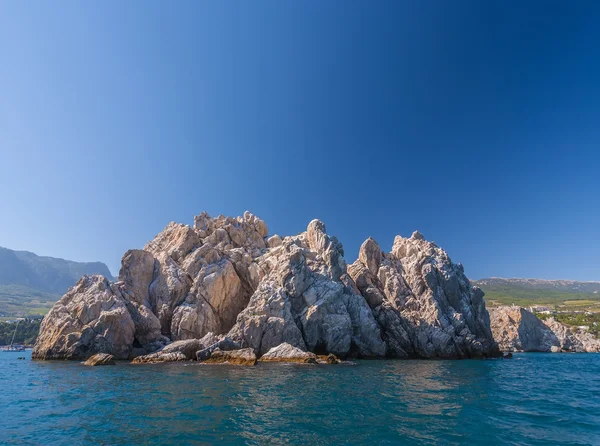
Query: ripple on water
{"points": [[533, 399]]}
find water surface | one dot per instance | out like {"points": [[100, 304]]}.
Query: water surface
{"points": [[533, 399]]}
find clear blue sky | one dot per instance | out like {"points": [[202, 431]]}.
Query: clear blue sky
{"points": [[477, 123]]}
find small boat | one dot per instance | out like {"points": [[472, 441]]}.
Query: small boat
{"points": [[12, 347]]}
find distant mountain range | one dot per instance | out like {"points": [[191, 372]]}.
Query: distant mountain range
{"points": [[30, 284], [527, 292]]}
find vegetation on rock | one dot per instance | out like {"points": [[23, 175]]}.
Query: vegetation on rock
{"points": [[27, 331]]}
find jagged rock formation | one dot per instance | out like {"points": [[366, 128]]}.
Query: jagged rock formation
{"points": [[302, 300], [516, 329], [423, 302], [91, 318], [225, 284], [185, 283], [573, 339]]}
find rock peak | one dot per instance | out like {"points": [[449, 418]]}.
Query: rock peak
{"points": [[417, 236], [316, 225], [423, 303], [370, 255]]}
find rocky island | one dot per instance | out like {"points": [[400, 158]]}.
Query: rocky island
{"points": [[227, 279], [225, 290]]}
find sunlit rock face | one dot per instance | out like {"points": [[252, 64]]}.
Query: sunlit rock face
{"points": [[185, 283], [92, 317], [227, 278], [424, 304], [302, 300], [204, 276], [516, 329]]}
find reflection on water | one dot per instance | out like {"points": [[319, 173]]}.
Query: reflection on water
{"points": [[532, 399]]}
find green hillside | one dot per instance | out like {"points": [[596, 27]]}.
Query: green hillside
{"points": [[31, 284], [531, 292], [20, 301], [25, 332]]}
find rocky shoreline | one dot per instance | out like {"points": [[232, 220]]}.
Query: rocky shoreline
{"points": [[518, 330], [225, 290]]}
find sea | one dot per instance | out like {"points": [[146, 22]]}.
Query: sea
{"points": [[531, 399]]}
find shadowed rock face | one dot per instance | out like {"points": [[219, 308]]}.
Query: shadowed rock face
{"points": [[423, 302], [226, 276], [516, 329]]}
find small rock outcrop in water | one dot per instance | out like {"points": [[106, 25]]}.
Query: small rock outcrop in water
{"points": [[225, 284], [100, 359], [224, 344], [177, 351], [423, 302], [288, 353], [245, 356], [516, 329]]}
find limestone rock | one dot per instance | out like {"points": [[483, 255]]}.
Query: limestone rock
{"points": [[176, 240], [92, 317], [185, 283], [573, 339], [301, 300], [159, 357], [424, 304], [224, 344], [274, 241], [244, 356], [177, 351], [100, 359], [223, 283], [135, 277], [224, 274], [288, 353], [516, 329]]}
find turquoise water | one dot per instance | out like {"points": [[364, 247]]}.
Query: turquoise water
{"points": [[537, 399]]}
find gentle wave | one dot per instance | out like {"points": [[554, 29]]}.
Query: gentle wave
{"points": [[536, 399]]}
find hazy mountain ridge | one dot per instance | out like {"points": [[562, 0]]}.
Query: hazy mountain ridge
{"points": [[527, 292], [49, 274], [31, 284], [568, 286]]}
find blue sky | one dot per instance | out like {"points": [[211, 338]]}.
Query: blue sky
{"points": [[477, 123]]}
